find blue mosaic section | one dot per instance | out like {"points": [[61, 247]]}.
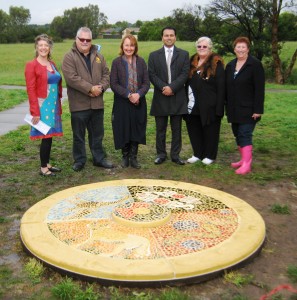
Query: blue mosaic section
{"points": [[91, 204]]}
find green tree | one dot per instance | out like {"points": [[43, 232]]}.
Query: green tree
{"points": [[259, 21], [19, 17], [287, 27], [151, 30], [188, 22], [57, 28], [4, 19], [245, 17], [122, 25], [280, 74], [138, 23], [67, 25]]}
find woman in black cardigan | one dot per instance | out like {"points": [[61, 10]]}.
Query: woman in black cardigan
{"points": [[129, 81], [206, 92], [245, 85]]}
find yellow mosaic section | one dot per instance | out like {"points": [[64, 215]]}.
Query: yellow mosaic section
{"points": [[142, 230]]}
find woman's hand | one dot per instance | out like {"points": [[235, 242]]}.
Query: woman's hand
{"points": [[134, 98], [256, 116], [35, 120]]}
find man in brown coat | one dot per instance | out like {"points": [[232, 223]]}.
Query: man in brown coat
{"points": [[87, 77]]}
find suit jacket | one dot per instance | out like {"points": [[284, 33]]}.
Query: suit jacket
{"points": [[245, 92], [79, 80], [169, 105]]}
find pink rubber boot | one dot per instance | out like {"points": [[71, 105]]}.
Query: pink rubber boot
{"points": [[247, 155], [237, 164]]}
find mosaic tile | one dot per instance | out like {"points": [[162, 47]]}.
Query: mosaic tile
{"points": [[193, 221]]}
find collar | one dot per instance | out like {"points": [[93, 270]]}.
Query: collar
{"points": [[166, 48]]}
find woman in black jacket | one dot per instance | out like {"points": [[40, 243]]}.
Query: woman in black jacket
{"points": [[129, 81], [206, 92], [245, 85]]}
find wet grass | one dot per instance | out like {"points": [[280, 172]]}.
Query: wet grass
{"points": [[11, 98], [275, 158]]}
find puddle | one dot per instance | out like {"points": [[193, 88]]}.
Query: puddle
{"points": [[10, 259]]}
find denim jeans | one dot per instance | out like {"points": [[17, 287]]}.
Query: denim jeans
{"points": [[92, 121], [243, 133]]}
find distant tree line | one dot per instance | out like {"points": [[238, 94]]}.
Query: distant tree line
{"points": [[267, 23]]}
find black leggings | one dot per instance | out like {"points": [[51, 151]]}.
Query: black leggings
{"points": [[45, 151]]}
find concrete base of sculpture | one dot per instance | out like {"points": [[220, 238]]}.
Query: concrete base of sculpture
{"points": [[141, 231]]}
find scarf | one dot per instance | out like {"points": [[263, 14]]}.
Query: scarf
{"points": [[132, 74], [207, 69]]}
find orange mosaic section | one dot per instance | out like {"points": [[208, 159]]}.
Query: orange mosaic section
{"points": [[196, 222]]}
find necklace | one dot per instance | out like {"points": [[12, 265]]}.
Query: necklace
{"points": [[45, 63]]}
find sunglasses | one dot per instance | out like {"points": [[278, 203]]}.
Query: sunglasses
{"points": [[199, 47], [84, 40]]}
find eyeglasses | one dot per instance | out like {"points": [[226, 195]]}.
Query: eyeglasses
{"points": [[199, 47], [84, 40]]}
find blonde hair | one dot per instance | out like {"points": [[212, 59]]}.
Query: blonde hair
{"points": [[202, 39], [46, 38]]}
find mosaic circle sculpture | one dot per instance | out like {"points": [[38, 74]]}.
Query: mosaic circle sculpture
{"points": [[142, 231]]}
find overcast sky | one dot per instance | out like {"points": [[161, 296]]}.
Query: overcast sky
{"points": [[43, 12]]}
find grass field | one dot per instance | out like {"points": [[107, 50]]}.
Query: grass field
{"points": [[273, 183], [275, 162], [14, 56]]}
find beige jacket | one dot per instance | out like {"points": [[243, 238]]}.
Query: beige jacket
{"points": [[79, 80]]}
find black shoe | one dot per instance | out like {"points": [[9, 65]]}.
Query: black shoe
{"points": [[78, 166], [159, 160], [134, 163], [55, 169], [47, 173], [178, 161], [104, 164], [125, 162]]}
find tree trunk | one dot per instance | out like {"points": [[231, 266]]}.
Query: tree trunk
{"points": [[290, 67], [278, 75]]}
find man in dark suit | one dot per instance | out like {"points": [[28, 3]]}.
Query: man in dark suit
{"points": [[169, 98]]}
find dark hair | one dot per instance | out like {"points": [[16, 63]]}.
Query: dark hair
{"points": [[242, 39], [169, 28], [133, 41]]}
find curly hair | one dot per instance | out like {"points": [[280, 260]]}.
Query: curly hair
{"points": [[48, 40]]}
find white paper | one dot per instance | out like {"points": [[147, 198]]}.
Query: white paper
{"points": [[40, 126]]}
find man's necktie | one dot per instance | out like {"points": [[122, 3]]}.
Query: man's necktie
{"points": [[169, 56]]}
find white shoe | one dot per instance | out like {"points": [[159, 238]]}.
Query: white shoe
{"points": [[193, 159], [207, 161]]}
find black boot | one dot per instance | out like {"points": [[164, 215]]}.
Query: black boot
{"points": [[133, 156], [125, 157]]}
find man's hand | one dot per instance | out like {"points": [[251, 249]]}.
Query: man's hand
{"points": [[167, 91], [96, 90]]}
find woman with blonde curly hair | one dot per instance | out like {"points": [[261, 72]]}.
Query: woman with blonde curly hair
{"points": [[44, 89]]}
